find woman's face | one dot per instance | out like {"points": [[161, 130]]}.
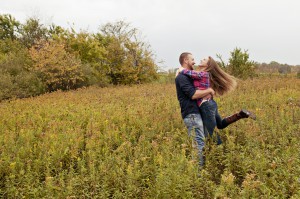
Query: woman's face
{"points": [[203, 62]]}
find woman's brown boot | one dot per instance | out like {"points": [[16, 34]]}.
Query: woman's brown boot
{"points": [[242, 114]]}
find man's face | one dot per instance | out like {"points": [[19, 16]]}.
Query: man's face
{"points": [[190, 62]]}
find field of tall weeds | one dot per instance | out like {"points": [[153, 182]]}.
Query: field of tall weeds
{"points": [[131, 142]]}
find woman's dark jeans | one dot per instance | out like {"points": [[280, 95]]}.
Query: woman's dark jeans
{"points": [[211, 119]]}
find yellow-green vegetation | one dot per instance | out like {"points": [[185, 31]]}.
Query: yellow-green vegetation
{"points": [[36, 59], [130, 142]]}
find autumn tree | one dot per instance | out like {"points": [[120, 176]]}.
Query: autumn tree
{"points": [[58, 68], [35, 58]]}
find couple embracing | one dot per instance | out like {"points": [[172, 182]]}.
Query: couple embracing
{"points": [[195, 91]]}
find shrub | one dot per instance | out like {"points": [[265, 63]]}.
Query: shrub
{"points": [[6, 86], [28, 84], [57, 68], [15, 79]]}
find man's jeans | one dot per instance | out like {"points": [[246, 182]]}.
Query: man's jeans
{"points": [[194, 125]]}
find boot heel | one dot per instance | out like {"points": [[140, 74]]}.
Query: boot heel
{"points": [[245, 113]]}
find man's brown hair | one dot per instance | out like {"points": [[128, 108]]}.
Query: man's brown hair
{"points": [[183, 56]]}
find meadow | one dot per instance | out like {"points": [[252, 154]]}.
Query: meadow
{"points": [[131, 142]]}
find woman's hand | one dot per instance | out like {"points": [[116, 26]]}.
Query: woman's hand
{"points": [[177, 73], [180, 69]]}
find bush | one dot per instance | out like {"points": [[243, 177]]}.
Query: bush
{"points": [[284, 69], [22, 85], [58, 68], [15, 79], [6, 86], [93, 76], [28, 84]]}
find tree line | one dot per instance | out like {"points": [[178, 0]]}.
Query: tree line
{"points": [[35, 58], [242, 67], [275, 67]]}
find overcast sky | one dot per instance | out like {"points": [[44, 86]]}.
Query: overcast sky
{"points": [[268, 29]]}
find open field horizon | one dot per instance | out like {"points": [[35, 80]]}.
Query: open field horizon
{"points": [[131, 142]]}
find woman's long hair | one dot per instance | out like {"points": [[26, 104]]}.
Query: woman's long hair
{"points": [[220, 81]]}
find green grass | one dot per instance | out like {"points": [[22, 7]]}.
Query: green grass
{"points": [[130, 142]]}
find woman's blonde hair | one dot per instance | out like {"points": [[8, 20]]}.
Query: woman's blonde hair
{"points": [[220, 81]]}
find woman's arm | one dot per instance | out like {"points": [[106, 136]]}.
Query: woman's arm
{"points": [[195, 74]]}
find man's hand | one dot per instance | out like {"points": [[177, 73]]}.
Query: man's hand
{"points": [[212, 92], [205, 94], [210, 95]]}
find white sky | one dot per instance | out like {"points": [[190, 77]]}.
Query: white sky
{"points": [[268, 29]]}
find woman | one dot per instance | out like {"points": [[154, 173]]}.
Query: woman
{"points": [[211, 75]]}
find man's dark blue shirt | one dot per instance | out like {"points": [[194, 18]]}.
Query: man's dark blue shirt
{"points": [[185, 90]]}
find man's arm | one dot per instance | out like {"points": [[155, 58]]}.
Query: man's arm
{"points": [[188, 88], [205, 94]]}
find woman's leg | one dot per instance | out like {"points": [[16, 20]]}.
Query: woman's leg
{"points": [[223, 123], [208, 112]]}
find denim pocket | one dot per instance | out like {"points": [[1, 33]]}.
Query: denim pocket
{"points": [[193, 120]]}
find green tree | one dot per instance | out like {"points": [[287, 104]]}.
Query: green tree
{"points": [[239, 64], [92, 54], [58, 33], [129, 59], [9, 27], [274, 64], [32, 32]]}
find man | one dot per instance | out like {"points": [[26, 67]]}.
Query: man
{"points": [[187, 95]]}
